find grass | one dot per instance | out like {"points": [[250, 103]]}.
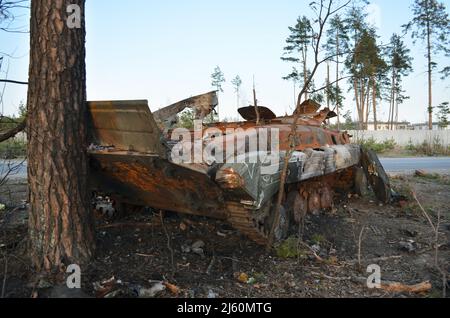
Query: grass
{"points": [[290, 249], [430, 149], [389, 148], [435, 177], [379, 147], [318, 239]]}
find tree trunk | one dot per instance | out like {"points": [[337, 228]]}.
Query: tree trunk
{"points": [[374, 102], [305, 70], [396, 92], [337, 81], [60, 225], [328, 85], [396, 111], [391, 105], [295, 93], [362, 103], [358, 106], [367, 103], [430, 77]]}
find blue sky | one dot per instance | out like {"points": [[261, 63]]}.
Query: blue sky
{"points": [[165, 51]]}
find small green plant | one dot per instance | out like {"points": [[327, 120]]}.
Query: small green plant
{"points": [[410, 146], [378, 147], [318, 239], [290, 248], [435, 177], [259, 277]]}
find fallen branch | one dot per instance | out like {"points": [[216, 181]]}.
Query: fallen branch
{"points": [[401, 288], [391, 287], [169, 247], [360, 239], [211, 265], [118, 225], [436, 243], [423, 211], [4, 277], [318, 258], [340, 279], [144, 255], [234, 260], [395, 287], [374, 260]]}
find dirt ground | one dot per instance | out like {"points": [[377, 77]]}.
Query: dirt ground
{"points": [[144, 255]]}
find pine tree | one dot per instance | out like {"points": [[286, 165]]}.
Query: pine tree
{"points": [[399, 66], [337, 46], [237, 83], [431, 25], [366, 67], [61, 230], [296, 50], [218, 79], [355, 23], [443, 114]]}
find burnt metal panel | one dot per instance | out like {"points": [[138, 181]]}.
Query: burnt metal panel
{"points": [[155, 182], [249, 113], [125, 126], [202, 105]]}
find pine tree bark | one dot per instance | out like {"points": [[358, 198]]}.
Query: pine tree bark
{"points": [[60, 226], [305, 69], [430, 77], [374, 103], [391, 104], [338, 102], [358, 104], [328, 85]]}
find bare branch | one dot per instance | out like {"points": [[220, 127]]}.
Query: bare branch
{"points": [[292, 140], [13, 82], [330, 84]]}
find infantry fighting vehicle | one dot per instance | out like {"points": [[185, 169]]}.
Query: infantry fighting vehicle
{"points": [[140, 159]]}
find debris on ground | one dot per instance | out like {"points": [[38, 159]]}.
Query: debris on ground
{"points": [[157, 288], [424, 287], [139, 264], [420, 173], [242, 278], [172, 288], [409, 246], [197, 248]]}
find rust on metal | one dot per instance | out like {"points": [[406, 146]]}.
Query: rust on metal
{"points": [[202, 105], [309, 107], [124, 126], [249, 113], [131, 159], [149, 181]]}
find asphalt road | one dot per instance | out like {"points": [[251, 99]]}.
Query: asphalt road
{"points": [[392, 165], [406, 165]]}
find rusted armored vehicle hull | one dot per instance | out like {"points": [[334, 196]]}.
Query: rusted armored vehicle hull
{"points": [[133, 162]]}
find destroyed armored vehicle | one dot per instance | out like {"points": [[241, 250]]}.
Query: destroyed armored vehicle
{"points": [[228, 171]]}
